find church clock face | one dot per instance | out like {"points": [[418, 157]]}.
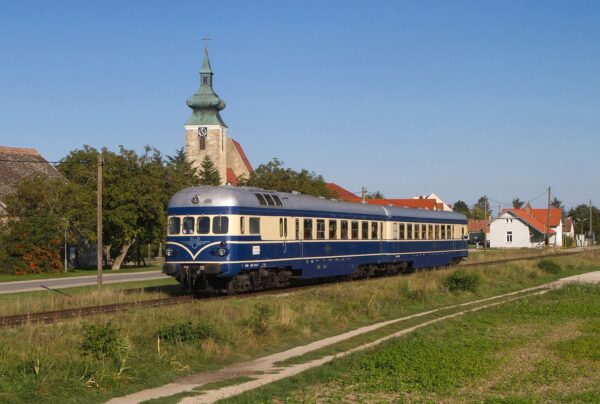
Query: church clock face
{"points": [[202, 131]]}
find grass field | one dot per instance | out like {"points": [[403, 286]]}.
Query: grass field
{"points": [[74, 272], [111, 355], [541, 349]]}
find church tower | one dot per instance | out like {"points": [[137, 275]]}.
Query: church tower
{"points": [[206, 133]]}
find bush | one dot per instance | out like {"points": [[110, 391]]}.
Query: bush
{"points": [[103, 341], [186, 332], [461, 281], [260, 318], [549, 266]]}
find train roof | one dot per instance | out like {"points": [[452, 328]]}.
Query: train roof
{"points": [[228, 196]]}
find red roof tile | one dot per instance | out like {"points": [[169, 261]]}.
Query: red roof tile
{"points": [[531, 220], [542, 215], [243, 155], [341, 193], [405, 203], [231, 178]]}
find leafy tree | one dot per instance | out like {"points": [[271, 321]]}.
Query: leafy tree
{"points": [[517, 203], [461, 207], [581, 216], [209, 175], [557, 203], [274, 176], [180, 173], [479, 209], [375, 195]]}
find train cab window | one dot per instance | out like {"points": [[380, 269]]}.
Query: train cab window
{"points": [[308, 226], [242, 225], [417, 231], [395, 231], [374, 230], [344, 229], [270, 200], [332, 229], [320, 229], [277, 200], [174, 225], [261, 199], [203, 225], [297, 229], [254, 225], [443, 234], [188, 225], [364, 230], [354, 228], [402, 231], [220, 225], [423, 232], [409, 232]]}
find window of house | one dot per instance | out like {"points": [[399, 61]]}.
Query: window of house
{"points": [[202, 142], [364, 230], [409, 231], [308, 226], [332, 229], [355, 231], [242, 225], [254, 224], [174, 225], [395, 231], [344, 229], [188, 225], [509, 236], [220, 225], [203, 224], [320, 229]]}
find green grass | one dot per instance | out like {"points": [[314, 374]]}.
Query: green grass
{"points": [[73, 273], [45, 363], [543, 348]]}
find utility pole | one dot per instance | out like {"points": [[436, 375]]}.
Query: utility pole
{"points": [[99, 220], [66, 222], [547, 228], [363, 194], [485, 212], [591, 227]]}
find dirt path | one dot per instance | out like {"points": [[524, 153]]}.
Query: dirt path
{"points": [[263, 370]]}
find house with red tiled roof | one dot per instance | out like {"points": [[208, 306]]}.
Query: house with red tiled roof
{"points": [[526, 227], [341, 193], [417, 203]]}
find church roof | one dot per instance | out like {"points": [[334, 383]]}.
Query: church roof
{"points": [[240, 151], [205, 103]]}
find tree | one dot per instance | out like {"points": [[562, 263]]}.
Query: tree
{"points": [[557, 203], [209, 175], [480, 207], [517, 203], [461, 207], [581, 216], [274, 176], [375, 195], [180, 173]]}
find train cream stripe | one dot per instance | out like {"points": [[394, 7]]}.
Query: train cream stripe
{"points": [[311, 258]]}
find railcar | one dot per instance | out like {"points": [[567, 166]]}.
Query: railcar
{"points": [[238, 239]]}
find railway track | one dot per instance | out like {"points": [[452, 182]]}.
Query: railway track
{"points": [[49, 317]]}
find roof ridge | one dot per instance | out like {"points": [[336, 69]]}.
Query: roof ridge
{"points": [[19, 150]]}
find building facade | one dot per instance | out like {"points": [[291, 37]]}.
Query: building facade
{"points": [[207, 135], [526, 228]]}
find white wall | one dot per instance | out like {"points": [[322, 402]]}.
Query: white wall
{"points": [[505, 223]]}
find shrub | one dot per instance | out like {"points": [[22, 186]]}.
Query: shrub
{"points": [[461, 281], [260, 318], [186, 332], [549, 266], [104, 341]]}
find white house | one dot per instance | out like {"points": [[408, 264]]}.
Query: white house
{"points": [[519, 228], [440, 204]]}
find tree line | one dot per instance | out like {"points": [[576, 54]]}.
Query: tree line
{"points": [[137, 188]]}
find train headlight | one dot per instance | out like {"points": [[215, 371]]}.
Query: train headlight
{"points": [[169, 252], [221, 252]]}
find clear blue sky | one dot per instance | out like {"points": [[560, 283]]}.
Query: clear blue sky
{"points": [[461, 98]]}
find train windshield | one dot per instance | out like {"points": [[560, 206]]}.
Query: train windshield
{"points": [[203, 224], [174, 225], [220, 224], [188, 225]]}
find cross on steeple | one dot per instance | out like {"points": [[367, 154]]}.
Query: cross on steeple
{"points": [[206, 39]]}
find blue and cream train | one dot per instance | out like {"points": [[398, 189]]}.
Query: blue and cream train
{"points": [[242, 239]]}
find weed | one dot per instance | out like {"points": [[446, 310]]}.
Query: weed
{"points": [[103, 341], [260, 319], [186, 332], [461, 281], [549, 266]]}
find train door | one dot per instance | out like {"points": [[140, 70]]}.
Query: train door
{"points": [[283, 233]]}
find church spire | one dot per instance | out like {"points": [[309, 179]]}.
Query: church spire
{"points": [[205, 103]]}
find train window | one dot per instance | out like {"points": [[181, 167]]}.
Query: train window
{"points": [[261, 199], [188, 225], [364, 231], [254, 225], [277, 200], [308, 225], [297, 229], [402, 231], [242, 225], [285, 228], [409, 231], [220, 225], [203, 225], [344, 229], [430, 232], [355, 233], [280, 227], [395, 231], [174, 225], [417, 231], [423, 232], [443, 233], [374, 230], [269, 199], [320, 229], [381, 230], [436, 231], [332, 229], [449, 232]]}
